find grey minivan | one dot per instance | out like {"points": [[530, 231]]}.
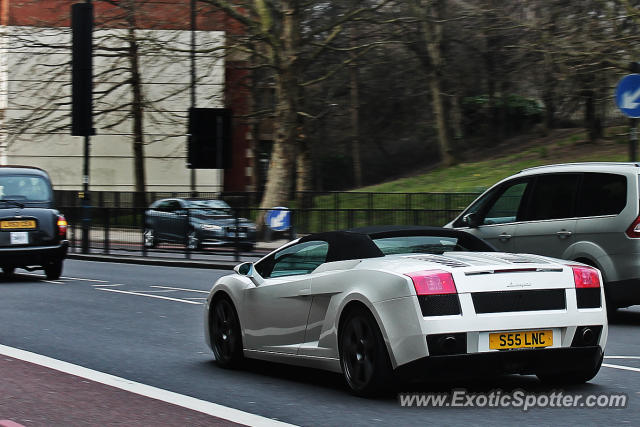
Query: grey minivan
{"points": [[587, 212]]}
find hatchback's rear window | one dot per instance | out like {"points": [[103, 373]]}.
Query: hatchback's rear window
{"points": [[602, 194], [29, 188]]}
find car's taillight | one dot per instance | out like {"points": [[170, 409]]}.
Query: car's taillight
{"points": [[585, 277], [433, 282], [634, 229], [62, 226]]}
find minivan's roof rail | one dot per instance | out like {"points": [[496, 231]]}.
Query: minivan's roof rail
{"points": [[628, 164]]}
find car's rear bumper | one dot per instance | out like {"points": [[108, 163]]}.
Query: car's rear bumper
{"points": [[33, 255], [530, 361]]}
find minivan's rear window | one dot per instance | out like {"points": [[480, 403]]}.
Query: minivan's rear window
{"points": [[602, 194]]}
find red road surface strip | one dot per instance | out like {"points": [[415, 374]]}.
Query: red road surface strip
{"points": [[32, 395]]}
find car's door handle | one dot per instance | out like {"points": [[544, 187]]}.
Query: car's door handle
{"points": [[563, 234], [504, 237]]}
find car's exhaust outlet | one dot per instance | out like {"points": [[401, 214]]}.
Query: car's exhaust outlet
{"points": [[588, 336], [448, 344]]}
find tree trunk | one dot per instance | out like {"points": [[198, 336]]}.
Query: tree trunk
{"points": [[137, 108]]}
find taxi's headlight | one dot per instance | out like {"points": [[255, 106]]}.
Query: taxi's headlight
{"points": [[210, 227]]}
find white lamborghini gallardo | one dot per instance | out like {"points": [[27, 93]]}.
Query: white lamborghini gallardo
{"points": [[377, 302]]}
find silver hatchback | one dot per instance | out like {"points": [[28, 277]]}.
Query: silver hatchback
{"points": [[587, 212]]}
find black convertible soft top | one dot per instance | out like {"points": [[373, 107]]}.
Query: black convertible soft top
{"points": [[358, 243]]}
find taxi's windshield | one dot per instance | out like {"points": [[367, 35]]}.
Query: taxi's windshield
{"points": [[24, 188]]}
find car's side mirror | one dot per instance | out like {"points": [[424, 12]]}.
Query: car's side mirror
{"points": [[247, 269], [471, 219]]}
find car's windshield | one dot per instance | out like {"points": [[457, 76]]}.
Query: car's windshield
{"points": [[213, 207], [23, 188], [418, 244]]}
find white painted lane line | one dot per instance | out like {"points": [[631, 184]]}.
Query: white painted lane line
{"points": [[148, 295], [622, 357], [107, 284], [213, 409], [624, 368], [54, 282], [180, 289], [85, 280], [196, 298]]}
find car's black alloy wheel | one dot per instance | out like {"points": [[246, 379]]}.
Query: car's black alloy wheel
{"points": [[363, 355], [226, 339]]}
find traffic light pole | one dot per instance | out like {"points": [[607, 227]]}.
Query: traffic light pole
{"points": [[193, 86]]}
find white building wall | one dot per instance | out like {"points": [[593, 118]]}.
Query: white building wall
{"points": [[36, 128]]}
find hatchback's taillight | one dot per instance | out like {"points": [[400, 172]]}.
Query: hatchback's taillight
{"points": [[62, 226], [634, 229], [433, 282], [585, 277]]}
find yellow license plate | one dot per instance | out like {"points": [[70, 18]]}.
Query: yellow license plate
{"points": [[521, 339], [22, 224]]}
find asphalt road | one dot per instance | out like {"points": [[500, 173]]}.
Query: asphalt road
{"points": [[94, 317]]}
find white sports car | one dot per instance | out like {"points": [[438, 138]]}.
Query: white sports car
{"points": [[375, 302]]}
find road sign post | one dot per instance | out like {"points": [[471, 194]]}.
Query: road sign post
{"points": [[628, 101]]}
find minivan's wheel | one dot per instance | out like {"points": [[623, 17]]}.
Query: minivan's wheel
{"points": [[572, 377], [224, 333], [363, 355], [192, 240], [53, 270], [150, 240], [8, 271]]}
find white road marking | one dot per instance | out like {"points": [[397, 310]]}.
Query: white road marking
{"points": [[213, 409], [200, 298], [625, 368], [54, 282], [622, 357], [180, 289], [85, 280], [106, 284], [148, 295]]}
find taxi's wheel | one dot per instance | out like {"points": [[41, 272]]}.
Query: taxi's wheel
{"points": [[363, 355], [8, 271], [53, 270], [579, 376], [225, 335]]}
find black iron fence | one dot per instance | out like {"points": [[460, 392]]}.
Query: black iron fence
{"points": [[119, 228]]}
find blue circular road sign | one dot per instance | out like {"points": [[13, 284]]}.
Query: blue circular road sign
{"points": [[628, 95], [278, 218]]}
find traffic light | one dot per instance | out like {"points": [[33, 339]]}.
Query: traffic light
{"points": [[210, 141], [82, 69]]}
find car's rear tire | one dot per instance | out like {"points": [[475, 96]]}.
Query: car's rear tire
{"points": [[578, 376], [363, 355], [8, 271], [53, 270], [224, 333]]}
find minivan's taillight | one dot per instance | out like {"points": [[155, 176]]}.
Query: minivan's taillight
{"points": [[433, 282], [634, 229], [585, 277], [62, 226]]}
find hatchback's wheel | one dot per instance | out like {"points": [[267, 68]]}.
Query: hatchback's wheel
{"points": [[53, 270], [8, 271], [577, 376], [150, 240], [363, 355], [225, 335], [192, 241]]}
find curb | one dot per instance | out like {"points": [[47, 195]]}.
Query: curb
{"points": [[217, 265]]}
